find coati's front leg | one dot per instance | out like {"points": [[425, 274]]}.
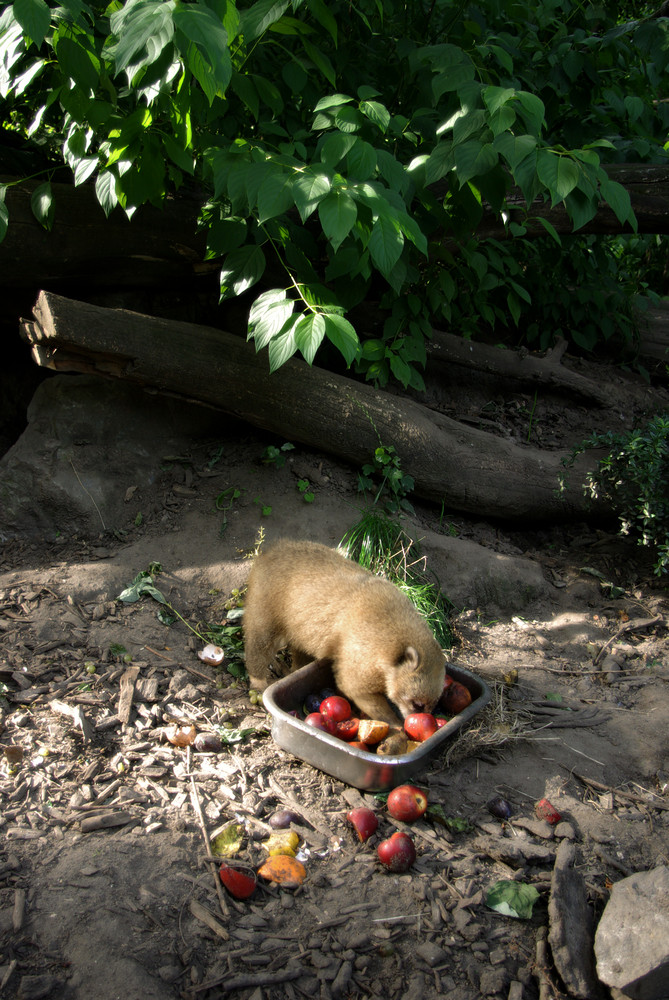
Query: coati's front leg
{"points": [[260, 649]]}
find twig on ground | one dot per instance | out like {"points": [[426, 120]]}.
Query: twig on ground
{"points": [[197, 808]]}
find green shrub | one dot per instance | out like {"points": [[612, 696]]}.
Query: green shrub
{"points": [[634, 477]]}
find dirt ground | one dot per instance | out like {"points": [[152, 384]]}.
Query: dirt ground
{"points": [[106, 887]]}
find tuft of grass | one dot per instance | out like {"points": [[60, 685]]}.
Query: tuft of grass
{"points": [[378, 543]]}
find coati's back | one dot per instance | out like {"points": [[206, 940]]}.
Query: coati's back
{"points": [[316, 601]]}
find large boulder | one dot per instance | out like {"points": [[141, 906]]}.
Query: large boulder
{"points": [[632, 939]]}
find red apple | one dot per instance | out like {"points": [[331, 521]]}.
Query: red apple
{"points": [[406, 802], [239, 884], [441, 720], [546, 810], [358, 745], [419, 726], [397, 853], [455, 698], [348, 729], [336, 708], [364, 822], [318, 721]]}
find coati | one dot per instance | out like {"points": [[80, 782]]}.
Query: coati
{"points": [[321, 605]]}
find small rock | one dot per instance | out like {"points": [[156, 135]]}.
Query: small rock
{"points": [[515, 990], [632, 939], [169, 973], [493, 981], [36, 987], [497, 956], [342, 980], [564, 831], [537, 827], [431, 953]]}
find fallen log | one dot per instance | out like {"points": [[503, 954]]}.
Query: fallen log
{"points": [[159, 246], [467, 469]]}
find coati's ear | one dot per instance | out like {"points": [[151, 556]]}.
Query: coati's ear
{"points": [[410, 657]]}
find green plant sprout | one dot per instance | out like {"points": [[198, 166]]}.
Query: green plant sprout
{"points": [[307, 494], [228, 635], [276, 456]]}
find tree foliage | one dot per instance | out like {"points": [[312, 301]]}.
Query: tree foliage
{"points": [[338, 144]]}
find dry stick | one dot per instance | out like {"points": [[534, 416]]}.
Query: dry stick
{"points": [[197, 808], [631, 626], [630, 796]]}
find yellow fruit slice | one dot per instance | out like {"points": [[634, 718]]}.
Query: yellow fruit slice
{"points": [[282, 842], [372, 731]]}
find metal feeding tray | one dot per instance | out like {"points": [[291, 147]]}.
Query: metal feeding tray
{"points": [[363, 770]]}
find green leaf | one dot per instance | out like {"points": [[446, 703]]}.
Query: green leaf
{"points": [[495, 97], [324, 17], [474, 158], [342, 334], [309, 334], [308, 190], [201, 26], [559, 173], [242, 269], [337, 213], [335, 148], [105, 190], [332, 101], [321, 61], [78, 62], [550, 229], [618, 199], [268, 315], [533, 111], [514, 148], [275, 195], [142, 585], [42, 205], [34, 16], [137, 24], [282, 347], [225, 234], [513, 899], [386, 243], [376, 113], [255, 21], [453, 78], [4, 214], [348, 120]]}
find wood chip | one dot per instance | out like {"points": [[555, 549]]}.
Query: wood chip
{"points": [[105, 820], [127, 689], [75, 713], [201, 913]]}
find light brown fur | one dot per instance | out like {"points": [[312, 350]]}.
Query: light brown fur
{"points": [[322, 605]]}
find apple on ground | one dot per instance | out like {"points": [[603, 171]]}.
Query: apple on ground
{"points": [[397, 853], [407, 803], [239, 884], [364, 821]]}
